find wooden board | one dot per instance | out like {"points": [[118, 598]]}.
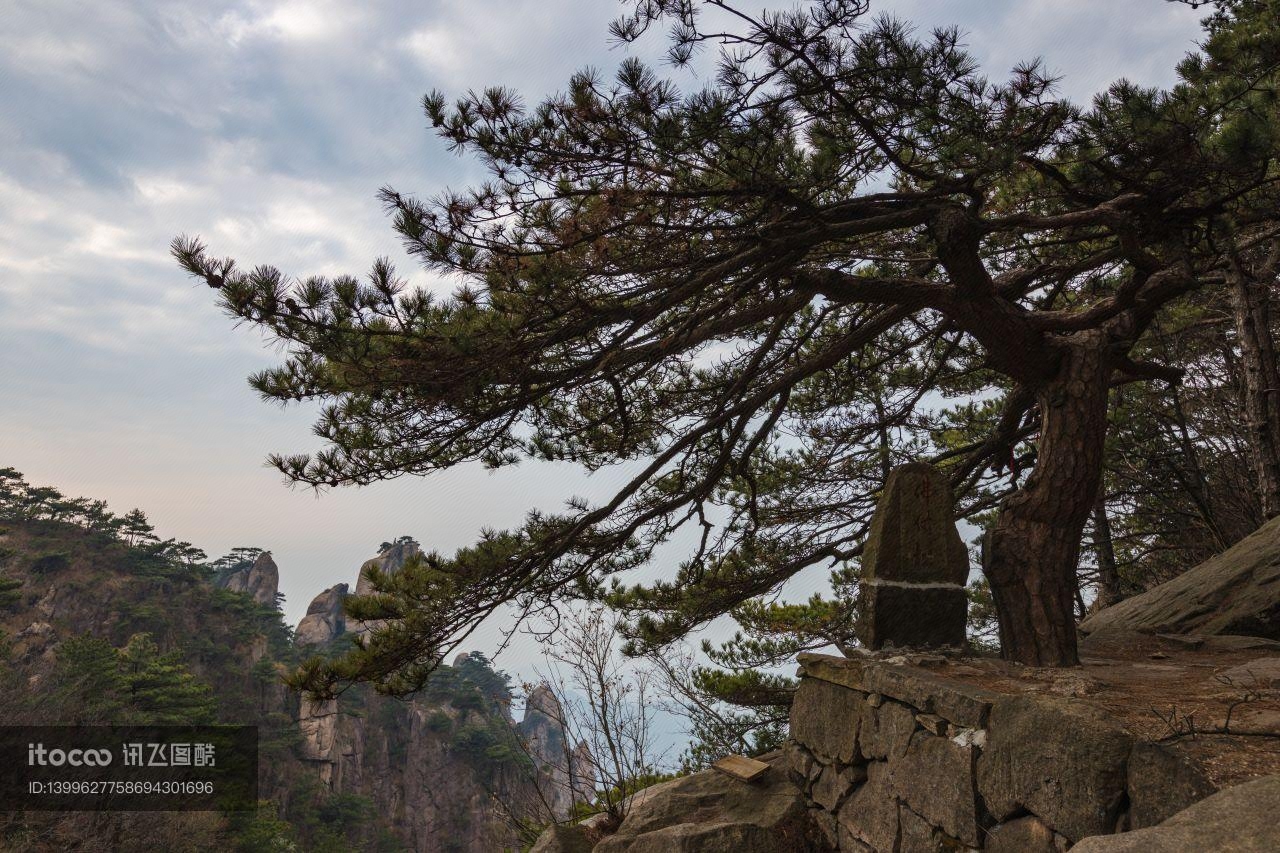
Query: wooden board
{"points": [[741, 768]]}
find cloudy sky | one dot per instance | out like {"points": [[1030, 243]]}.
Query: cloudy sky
{"points": [[266, 127]]}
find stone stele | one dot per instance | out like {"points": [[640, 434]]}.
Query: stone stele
{"points": [[914, 564]]}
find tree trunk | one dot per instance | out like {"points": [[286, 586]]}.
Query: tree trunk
{"points": [[1108, 577], [1034, 546], [1191, 476], [1252, 309]]}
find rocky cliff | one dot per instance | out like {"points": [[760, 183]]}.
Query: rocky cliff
{"points": [[261, 580], [390, 559], [447, 771], [429, 768], [568, 770], [451, 769]]}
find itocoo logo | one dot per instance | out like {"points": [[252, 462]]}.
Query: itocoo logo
{"points": [[38, 756]]}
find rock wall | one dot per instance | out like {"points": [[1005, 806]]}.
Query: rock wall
{"points": [[569, 771], [390, 752], [892, 757], [399, 754]]}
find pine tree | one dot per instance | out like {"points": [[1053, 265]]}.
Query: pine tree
{"points": [[135, 529], [160, 687], [10, 591], [135, 684], [759, 291]]}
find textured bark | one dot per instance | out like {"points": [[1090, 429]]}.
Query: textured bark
{"points": [[1252, 310], [1034, 545]]}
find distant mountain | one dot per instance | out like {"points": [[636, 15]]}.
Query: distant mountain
{"points": [[88, 608]]}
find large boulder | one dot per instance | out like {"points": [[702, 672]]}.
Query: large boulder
{"points": [[709, 812], [325, 619], [1258, 674], [389, 561], [261, 580], [1024, 835], [1236, 592], [1162, 783], [1062, 760], [1241, 819]]}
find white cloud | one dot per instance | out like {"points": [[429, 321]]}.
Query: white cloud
{"points": [[48, 54], [1090, 43], [527, 44], [436, 49], [163, 189], [304, 21], [298, 21]]}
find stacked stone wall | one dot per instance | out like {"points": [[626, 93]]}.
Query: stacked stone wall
{"points": [[893, 758]]}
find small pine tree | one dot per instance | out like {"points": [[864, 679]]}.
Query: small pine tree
{"points": [[160, 687], [135, 684], [136, 529], [10, 592]]}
